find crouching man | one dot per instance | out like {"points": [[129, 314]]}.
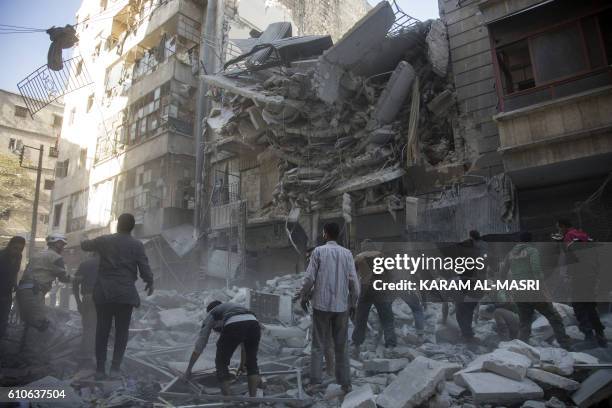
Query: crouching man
{"points": [[238, 326]]}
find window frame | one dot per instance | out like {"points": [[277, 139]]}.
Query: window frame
{"points": [[530, 35]]}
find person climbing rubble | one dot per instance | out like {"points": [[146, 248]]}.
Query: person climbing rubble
{"points": [[332, 284], [122, 258], [369, 297], [10, 262], [237, 326], [82, 288], [582, 277], [523, 262], [40, 273]]}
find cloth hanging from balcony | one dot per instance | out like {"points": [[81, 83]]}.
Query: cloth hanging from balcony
{"points": [[61, 38]]}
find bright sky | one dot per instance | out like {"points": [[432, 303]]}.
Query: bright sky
{"points": [[419, 9], [23, 53]]}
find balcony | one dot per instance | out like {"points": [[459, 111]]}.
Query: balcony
{"points": [[172, 68], [558, 141]]}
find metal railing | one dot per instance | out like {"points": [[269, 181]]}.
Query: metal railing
{"points": [[44, 86]]}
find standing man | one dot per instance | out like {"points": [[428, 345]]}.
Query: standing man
{"points": [[332, 280], [369, 297], [82, 288], [122, 258], [582, 274], [40, 273], [238, 326], [10, 262], [523, 262], [468, 300]]}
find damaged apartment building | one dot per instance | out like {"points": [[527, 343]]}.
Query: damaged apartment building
{"points": [[128, 136], [409, 130]]}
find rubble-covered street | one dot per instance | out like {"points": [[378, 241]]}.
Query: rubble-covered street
{"points": [[437, 371]]}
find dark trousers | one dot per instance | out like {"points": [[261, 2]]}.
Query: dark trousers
{"points": [[5, 310], [465, 315], [233, 335], [588, 318], [322, 324], [546, 309], [385, 313], [106, 313]]}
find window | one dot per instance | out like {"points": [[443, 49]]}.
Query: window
{"points": [[12, 144], [515, 65], [57, 214], [90, 101], [605, 25], [72, 115], [43, 218], [61, 168], [20, 111], [57, 121], [5, 215], [83, 158], [49, 184], [53, 151]]}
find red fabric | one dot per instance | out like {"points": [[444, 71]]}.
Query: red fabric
{"points": [[574, 234]]}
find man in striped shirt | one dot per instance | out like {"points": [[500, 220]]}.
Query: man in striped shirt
{"points": [[332, 285]]}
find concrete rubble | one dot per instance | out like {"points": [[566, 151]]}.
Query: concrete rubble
{"points": [[340, 124], [431, 374]]}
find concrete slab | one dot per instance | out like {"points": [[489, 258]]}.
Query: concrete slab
{"points": [[362, 397], [393, 96], [383, 365], [520, 347], [495, 389], [508, 364], [597, 387], [549, 380], [438, 49], [556, 360], [414, 385]]}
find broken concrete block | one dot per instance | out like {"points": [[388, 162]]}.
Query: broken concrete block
{"points": [[597, 387], [549, 380], [178, 318], [438, 48], [520, 347], [554, 402], [362, 397], [493, 388], [501, 355], [383, 365], [508, 364], [583, 358], [442, 102], [393, 96], [281, 332], [533, 404], [333, 391], [440, 400], [453, 389], [556, 360], [414, 385]]}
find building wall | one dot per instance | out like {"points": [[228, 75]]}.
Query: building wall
{"points": [[16, 130], [473, 74]]}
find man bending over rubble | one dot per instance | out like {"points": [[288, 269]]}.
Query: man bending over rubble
{"points": [[237, 326], [332, 279], [122, 258]]}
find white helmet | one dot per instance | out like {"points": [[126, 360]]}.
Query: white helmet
{"points": [[56, 237]]}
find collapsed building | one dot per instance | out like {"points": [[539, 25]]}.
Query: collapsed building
{"points": [[407, 130]]}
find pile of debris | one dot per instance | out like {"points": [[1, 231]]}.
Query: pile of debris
{"points": [[437, 372], [340, 118]]}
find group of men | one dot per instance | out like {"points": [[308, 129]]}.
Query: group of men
{"points": [[337, 286], [104, 288]]}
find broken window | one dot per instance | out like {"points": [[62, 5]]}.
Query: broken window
{"points": [[20, 111], [57, 214], [539, 53], [49, 184], [515, 66]]}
